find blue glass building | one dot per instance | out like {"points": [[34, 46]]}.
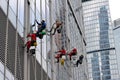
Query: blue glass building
{"points": [[116, 30], [101, 56], [104, 43]]}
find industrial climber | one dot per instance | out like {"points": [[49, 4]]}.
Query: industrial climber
{"points": [[60, 53], [32, 44], [80, 60], [33, 38], [56, 27], [41, 29], [72, 52]]}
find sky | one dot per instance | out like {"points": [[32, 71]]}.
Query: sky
{"points": [[114, 9]]}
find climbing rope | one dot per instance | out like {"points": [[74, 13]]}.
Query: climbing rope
{"points": [[41, 42], [35, 46], [46, 38]]}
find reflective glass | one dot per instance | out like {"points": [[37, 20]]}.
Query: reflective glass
{"points": [[38, 4], [32, 16], [21, 11], [13, 5], [9, 75], [12, 17], [3, 5], [20, 29], [1, 76], [43, 9]]}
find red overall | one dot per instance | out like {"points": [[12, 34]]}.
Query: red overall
{"points": [[28, 44], [63, 51], [33, 38], [73, 52]]}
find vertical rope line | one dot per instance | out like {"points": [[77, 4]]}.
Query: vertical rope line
{"points": [[6, 41], [51, 40], [46, 38], [41, 42], [35, 29], [16, 42]]}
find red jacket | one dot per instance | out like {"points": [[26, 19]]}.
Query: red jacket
{"points": [[57, 56], [74, 50], [63, 51], [33, 36]]}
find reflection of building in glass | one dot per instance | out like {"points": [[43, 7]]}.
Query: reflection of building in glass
{"points": [[95, 66], [116, 30], [102, 63], [104, 43]]}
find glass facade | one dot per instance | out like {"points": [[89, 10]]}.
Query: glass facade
{"points": [[7, 47], [12, 13], [9, 75], [70, 38], [116, 30], [104, 43], [39, 11], [101, 56]]}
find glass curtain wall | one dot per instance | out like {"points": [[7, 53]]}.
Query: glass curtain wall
{"points": [[116, 30], [42, 13], [76, 40], [100, 49], [12, 13], [13, 17], [75, 21]]}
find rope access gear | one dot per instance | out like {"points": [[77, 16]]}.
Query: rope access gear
{"points": [[56, 27], [72, 53], [80, 60]]}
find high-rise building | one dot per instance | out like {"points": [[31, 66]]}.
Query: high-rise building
{"points": [[101, 56], [70, 13], [16, 16], [116, 30]]}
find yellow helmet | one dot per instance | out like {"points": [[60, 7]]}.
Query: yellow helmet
{"points": [[35, 43], [62, 61]]}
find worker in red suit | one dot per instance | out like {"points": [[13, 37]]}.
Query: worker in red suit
{"points": [[57, 57], [60, 53], [33, 39], [73, 52]]}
